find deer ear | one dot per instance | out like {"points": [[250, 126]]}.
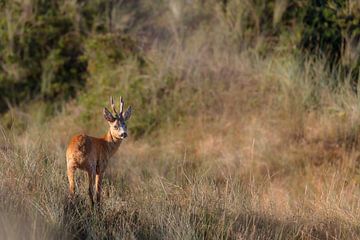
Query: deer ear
{"points": [[127, 114], [108, 116]]}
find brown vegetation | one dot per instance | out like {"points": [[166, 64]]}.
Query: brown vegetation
{"points": [[239, 146]]}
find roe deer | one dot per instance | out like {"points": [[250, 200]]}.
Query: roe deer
{"points": [[92, 154]]}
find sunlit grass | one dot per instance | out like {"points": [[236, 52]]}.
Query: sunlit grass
{"points": [[224, 144], [258, 159]]}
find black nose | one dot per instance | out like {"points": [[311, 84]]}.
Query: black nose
{"points": [[123, 135]]}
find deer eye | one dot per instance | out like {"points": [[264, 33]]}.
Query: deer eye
{"points": [[116, 127]]}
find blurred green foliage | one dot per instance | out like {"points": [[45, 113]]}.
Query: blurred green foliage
{"points": [[270, 23], [54, 50], [42, 47], [332, 28], [40, 54]]}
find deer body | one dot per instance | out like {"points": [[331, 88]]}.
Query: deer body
{"points": [[92, 154]]}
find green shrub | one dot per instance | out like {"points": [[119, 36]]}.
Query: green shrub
{"points": [[332, 28], [42, 47], [43, 58]]}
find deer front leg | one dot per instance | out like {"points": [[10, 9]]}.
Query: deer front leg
{"points": [[91, 175], [70, 174], [98, 181]]}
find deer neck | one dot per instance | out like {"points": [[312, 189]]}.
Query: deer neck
{"points": [[113, 143]]}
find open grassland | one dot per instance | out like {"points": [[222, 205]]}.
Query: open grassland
{"points": [[263, 159], [238, 146]]}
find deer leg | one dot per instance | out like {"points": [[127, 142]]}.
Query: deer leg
{"points": [[98, 181], [70, 174], [91, 175]]}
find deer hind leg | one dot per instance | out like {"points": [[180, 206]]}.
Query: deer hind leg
{"points": [[70, 174], [91, 175], [98, 181]]}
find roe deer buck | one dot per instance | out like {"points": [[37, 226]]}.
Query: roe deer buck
{"points": [[92, 154]]}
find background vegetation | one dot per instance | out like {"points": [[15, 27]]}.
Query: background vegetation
{"points": [[246, 121]]}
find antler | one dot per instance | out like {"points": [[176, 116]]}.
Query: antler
{"points": [[113, 106], [121, 105]]}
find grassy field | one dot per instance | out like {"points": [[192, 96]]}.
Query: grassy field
{"points": [[239, 145]]}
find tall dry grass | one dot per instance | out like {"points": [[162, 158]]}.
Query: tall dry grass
{"points": [[264, 148], [272, 154]]}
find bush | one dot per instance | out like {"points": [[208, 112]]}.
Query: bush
{"points": [[332, 28], [42, 58], [317, 27], [42, 47]]}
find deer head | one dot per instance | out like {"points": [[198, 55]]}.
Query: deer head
{"points": [[117, 122]]}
